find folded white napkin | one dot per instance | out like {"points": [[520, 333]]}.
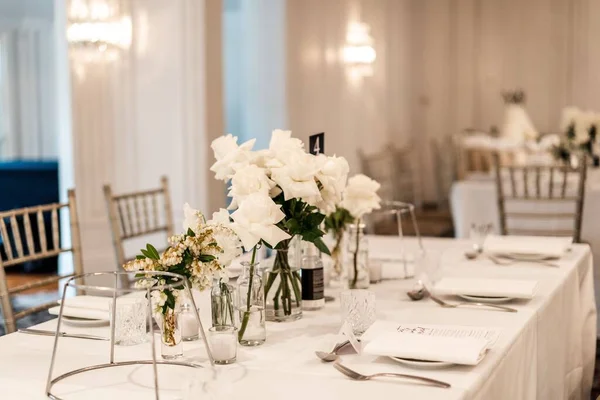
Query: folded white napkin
{"points": [[80, 312], [527, 245], [457, 350], [519, 289]]}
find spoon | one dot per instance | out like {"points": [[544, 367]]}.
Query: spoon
{"points": [[418, 292], [332, 355]]}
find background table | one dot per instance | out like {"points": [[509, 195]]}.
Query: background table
{"points": [[475, 201], [545, 351]]}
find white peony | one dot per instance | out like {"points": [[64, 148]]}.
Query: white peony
{"points": [[193, 219], [333, 177], [230, 156], [256, 219], [360, 196], [246, 181], [230, 245], [297, 177], [282, 143]]}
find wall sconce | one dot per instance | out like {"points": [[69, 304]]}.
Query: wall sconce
{"points": [[98, 25], [358, 53]]}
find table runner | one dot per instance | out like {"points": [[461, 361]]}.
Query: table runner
{"points": [[545, 351]]}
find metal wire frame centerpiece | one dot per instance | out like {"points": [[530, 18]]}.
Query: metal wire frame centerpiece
{"points": [[181, 284], [398, 209]]}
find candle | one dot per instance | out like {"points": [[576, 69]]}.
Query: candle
{"points": [[188, 323], [374, 271], [223, 344]]}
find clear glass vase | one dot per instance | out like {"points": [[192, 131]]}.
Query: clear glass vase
{"points": [[251, 306], [222, 299], [357, 257], [283, 287], [170, 334], [338, 277]]}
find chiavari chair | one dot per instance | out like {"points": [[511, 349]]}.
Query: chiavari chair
{"points": [[548, 193], [19, 250], [137, 214]]}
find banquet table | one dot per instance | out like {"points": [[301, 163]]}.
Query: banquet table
{"points": [[545, 351], [474, 201]]}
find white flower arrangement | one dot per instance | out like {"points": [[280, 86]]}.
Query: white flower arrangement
{"points": [[278, 193], [580, 128], [200, 254]]}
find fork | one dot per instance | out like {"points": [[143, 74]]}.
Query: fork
{"points": [[360, 377], [464, 303]]}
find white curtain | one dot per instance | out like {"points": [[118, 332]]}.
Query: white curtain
{"points": [[27, 91]]}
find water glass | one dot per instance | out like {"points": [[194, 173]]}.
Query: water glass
{"points": [[130, 320], [223, 344], [358, 309], [477, 234]]}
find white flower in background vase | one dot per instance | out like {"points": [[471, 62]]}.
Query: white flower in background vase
{"points": [[246, 181], [256, 219], [360, 196], [332, 177], [230, 156], [569, 117], [582, 127]]}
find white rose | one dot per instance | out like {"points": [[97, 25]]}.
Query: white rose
{"points": [[297, 177], [246, 181], [333, 177], [193, 219], [360, 196], [230, 156], [282, 143], [220, 217], [256, 219]]}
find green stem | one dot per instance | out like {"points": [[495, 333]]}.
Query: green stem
{"points": [[295, 286], [355, 279], [335, 253], [246, 317]]}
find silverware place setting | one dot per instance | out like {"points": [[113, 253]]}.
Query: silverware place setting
{"points": [[333, 354], [350, 373], [445, 304], [61, 334]]}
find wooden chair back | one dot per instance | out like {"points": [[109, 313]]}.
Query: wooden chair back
{"points": [[137, 214], [19, 250], [538, 185], [394, 169]]}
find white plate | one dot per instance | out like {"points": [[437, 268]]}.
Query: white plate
{"points": [[74, 321], [422, 364], [485, 299], [527, 257]]}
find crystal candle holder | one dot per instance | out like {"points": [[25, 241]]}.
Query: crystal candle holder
{"points": [[130, 321], [223, 344]]}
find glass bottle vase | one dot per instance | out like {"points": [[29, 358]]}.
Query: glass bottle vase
{"points": [[170, 334], [222, 300], [357, 257], [283, 287], [251, 306], [338, 277]]}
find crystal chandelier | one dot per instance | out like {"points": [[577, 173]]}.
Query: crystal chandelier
{"points": [[98, 25]]}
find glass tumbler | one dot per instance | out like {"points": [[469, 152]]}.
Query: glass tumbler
{"points": [[358, 309], [130, 320]]}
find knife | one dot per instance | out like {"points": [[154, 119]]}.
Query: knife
{"points": [[62, 334]]}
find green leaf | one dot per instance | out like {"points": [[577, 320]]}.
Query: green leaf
{"points": [[146, 253], [190, 232], [320, 244], [152, 250], [292, 225], [140, 257], [314, 220], [170, 302], [206, 258]]}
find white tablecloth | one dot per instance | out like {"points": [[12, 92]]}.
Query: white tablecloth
{"points": [[546, 351], [474, 201]]}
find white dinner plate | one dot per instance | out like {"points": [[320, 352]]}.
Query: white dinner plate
{"points": [[74, 321], [527, 257], [422, 364], [485, 299]]}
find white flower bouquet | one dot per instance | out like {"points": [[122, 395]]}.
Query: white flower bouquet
{"points": [[202, 253], [279, 193], [359, 198], [580, 130]]}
